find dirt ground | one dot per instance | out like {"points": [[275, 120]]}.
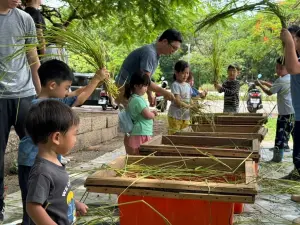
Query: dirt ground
{"points": [[79, 157]]}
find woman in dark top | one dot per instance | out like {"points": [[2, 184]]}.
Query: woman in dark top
{"points": [[32, 8]]}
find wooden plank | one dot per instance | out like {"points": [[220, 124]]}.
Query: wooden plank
{"points": [[250, 173], [221, 134], [191, 151], [204, 141], [174, 195], [226, 128], [180, 186], [263, 131], [231, 120], [190, 162]]}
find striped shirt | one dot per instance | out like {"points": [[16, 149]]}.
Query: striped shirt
{"points": [[231, 90]]}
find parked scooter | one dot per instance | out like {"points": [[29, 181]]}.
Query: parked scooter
{"points": [[160, 102], [254, 99]]}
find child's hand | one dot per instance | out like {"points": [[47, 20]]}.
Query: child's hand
{"points": [[203, 94], [194, 107], [286, 36], [102, 74], [81, 208], [169, 96], [218, 86], [154, 112]]}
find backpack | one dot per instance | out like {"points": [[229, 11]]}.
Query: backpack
{"points": [[125, 122]]}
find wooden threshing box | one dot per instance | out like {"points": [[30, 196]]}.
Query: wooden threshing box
{"points": [[176, 145], [109, 180]]}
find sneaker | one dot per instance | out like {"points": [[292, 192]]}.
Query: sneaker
{"points": [[2, 212], [294, 175]]}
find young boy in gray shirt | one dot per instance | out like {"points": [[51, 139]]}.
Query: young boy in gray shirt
{"points": [[53, 126], [285, 120]]}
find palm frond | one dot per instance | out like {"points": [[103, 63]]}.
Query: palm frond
{"points": [[263, 6]]}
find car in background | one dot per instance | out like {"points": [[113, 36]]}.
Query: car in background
{"points": [[99, 96], [81, 80]]}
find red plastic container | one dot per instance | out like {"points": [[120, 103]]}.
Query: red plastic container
{"points": [[238, 208], [177, 211]]}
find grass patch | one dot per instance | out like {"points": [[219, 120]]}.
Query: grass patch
{"points": [[271, 125]]}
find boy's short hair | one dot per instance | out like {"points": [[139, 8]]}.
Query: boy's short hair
{"points": [[280, 60], [232, 66], [49, 116], [171, 35], [55, 70]]}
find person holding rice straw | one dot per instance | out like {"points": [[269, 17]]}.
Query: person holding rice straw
{"points": [[231, 89], [139, 112], [179, 111], [146, 59], [285, 120]]}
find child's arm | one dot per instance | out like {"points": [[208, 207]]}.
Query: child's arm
{"points": [[147, 114], [180, 103], [266, 90], [235, 88], [266, 83], [81, 207], [38, 214], [100, 76], [77, 92]]}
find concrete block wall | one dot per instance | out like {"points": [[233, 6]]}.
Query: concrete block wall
{"points": [[94, 128]]}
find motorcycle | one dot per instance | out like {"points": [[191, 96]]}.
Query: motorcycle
{"points": [[105, 101], [160, 102], [254, 99]]}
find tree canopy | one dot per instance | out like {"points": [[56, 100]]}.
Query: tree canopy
{"points": [[247, 37]]}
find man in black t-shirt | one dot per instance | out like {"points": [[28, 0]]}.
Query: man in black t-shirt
{"points": [[32, 9]]}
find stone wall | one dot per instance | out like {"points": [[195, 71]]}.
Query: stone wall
{"points": [[94, 128]]}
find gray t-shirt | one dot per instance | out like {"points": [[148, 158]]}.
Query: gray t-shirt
{"points": [[295, 91], [16, 29], [142, 59], [49, 185], [184, 90], [282, 86]]}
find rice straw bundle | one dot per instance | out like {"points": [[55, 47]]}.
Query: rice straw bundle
{"points": [[86, 44]]}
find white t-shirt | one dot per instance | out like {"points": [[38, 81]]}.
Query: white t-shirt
{"points": [[184, 90]]}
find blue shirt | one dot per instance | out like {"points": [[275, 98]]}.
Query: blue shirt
{"points": [[295, 91], [142, 59], [27, 149]]}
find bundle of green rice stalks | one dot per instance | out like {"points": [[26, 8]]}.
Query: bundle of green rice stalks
{"points": [[178, 170], [265, 6], [88, 45]]}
